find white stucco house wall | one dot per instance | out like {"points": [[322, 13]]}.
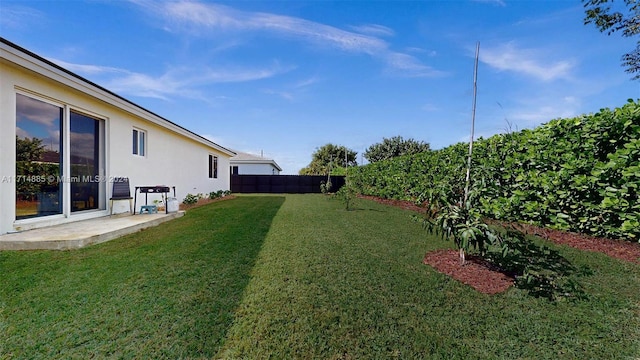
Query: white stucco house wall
{"points": [[85, 137], [248, 164]]}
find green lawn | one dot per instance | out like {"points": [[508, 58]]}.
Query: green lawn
{"points": [[297, 276]]}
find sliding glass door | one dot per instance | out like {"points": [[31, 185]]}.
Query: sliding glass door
{"points": [[38, 158], [84, 154], [42, 167]]}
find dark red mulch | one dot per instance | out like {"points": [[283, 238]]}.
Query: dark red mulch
{"points": [[483, 278], [407, 205], [617, 249], [476, 272]]}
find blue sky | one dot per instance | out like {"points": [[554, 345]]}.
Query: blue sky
{"points": [[287, 77]]}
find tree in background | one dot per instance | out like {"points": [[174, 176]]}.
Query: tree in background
{"points": [[328, 158], [29, 149], [599, 13], [29, 163], [393, 147]]}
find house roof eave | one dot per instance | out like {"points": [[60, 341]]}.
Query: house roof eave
{"points": [[36, 63]]}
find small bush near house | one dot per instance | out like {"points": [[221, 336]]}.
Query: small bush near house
{"points": [[190, 199], [216, 194]]}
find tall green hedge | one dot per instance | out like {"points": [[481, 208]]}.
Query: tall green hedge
{"points": [[579, 174]]}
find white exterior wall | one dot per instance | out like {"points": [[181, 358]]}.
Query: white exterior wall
{"points": [[7, 151], [256, 169], [174, 156], [170, 160]]}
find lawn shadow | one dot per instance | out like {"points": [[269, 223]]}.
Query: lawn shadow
{"points": [[540, 270], [169, 291], [355, 204], [236, 245], [362, 208]]}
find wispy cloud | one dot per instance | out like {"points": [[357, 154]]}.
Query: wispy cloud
{"points": [[19, 17], [196, 16], [181, 81], [307, 82], [492, 2], [536, 115], [408, 64], [200, 18], [294, 90], [530, 62], [85, 69], [524, 113], [38, 112], [283, 94], [373, 29], [429, 107]]}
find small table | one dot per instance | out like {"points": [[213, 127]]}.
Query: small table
{"points": [[157, 189]]}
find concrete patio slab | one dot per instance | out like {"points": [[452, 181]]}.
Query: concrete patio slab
{"points": [[75, 235]]}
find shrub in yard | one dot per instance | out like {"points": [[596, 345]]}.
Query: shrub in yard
{"points": [[540, 270], [190, 199], [580, 174], [216, 194], [325, 187], [347, 195], [461, 223]]}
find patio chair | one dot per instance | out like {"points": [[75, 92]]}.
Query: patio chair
{"points": [[121, 191]]}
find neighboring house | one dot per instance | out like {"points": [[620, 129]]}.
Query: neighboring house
{"points": [[63, 139], [248, 164]]}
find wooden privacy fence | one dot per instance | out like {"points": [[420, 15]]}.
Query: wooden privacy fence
{"points": [[282, 184]]}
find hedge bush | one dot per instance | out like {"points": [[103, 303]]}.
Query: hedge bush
{"points": [[578, 174]]}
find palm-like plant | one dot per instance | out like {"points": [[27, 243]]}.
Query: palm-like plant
{"points": [[460, 223]]}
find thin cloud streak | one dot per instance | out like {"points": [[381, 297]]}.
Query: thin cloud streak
{"points": [[87, 69], [500, 3], [306, 83], [19, 17], [177, 81], [508, 57], [373, 29], [196, 14], [198, 17]]}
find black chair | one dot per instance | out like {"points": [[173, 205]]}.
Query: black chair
{"points": [[121, 191]]}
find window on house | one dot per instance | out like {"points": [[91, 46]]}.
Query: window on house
{"points": [[139, 142], [213, 167]]}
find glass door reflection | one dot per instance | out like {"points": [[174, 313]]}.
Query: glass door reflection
{"points": [[38, 158], [84, 150]]}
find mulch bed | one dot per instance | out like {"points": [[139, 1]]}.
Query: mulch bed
{"points": [[407, 205], [617, 249], [485, 278], [476, 272]]}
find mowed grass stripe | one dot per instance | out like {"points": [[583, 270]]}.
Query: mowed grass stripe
{"points": [[337, 284], [297, 276], [165, 292]]}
